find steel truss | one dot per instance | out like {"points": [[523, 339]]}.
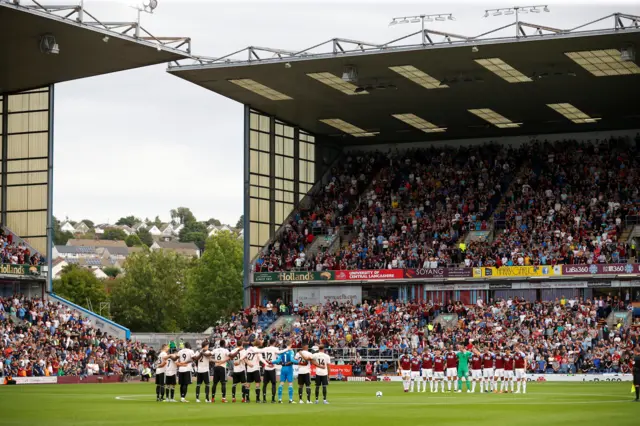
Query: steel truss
{"points": [[340, 46], [78, 14]]}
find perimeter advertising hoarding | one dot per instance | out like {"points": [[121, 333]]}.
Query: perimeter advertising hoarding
{"points": [[434, 273], [366, 275], [517, 271], [267, 277], [322, 295], [601, 269]]}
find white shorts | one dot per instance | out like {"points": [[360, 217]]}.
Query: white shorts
{"points": [[415, 375], [520, 374], [405, 373], [438, 375], [476, 374], [427, 373], [499, 372], [508, 374], [452, 372], [487, 373]]}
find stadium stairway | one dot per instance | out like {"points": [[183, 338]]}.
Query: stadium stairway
{"points": [[99, 322]]}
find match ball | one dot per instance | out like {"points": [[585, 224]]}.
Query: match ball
{"points": [[379, 394]]}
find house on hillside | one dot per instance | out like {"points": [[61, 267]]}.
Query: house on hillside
{"points": [[99, 229], [67, 227], [167, 231], [95, 243], [214, 229], [126, 229], [185, 249], [138, 226], [177, 229], [57, 266], [82, 228], [154, 231]]}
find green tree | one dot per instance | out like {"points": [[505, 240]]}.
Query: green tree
{"points": [[240, 223], [150, 296], [128, 220], [196, 232], [112, 271], [114, 234], [89, 223], [60, 238], [213, 221], [133, 240], [81, 287], [145, 237], [214, 284], [182, 215]]}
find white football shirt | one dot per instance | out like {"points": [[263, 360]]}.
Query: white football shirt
{"points": [[161, 358], [219, 355], [269, 354], [171, 368], [203, 362], [306, 367], [185, 355], [239, 365], [324, 360], [254, 355]]}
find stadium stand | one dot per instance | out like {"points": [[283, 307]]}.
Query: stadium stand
{"points": [[14, 251], [423, 205], [42, 338]]}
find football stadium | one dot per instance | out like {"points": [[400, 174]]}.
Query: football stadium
{"points": [[440, 228]]}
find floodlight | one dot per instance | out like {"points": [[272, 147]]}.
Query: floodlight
{"points": [[497, 13], [415, 20], [451, 18], [440, 18], [546, 8], [486, 14], [393, 22], [49, 45], [509, 12], [534, 10]]}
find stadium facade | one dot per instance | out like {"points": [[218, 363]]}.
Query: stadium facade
{"points": [[44, 45], [295, 100]]}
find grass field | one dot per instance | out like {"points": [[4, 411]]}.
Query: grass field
{"points": [[353, 404]]}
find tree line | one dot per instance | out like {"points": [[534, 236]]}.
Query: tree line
{"points": [[162, 291]]}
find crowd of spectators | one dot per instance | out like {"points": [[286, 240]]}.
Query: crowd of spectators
{"points": [[548, 203], [14, 253], [561, 336], [42, 338]]}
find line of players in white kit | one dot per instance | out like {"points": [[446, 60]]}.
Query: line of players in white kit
{"points": [[176, 368], [495, 372]]}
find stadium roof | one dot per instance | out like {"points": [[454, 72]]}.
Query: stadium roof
{"points": [[398, 100], [88, 47]]}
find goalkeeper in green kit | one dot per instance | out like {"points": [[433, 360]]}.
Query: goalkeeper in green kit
{"points": [[463, 367]]}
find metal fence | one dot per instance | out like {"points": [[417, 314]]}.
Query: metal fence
{"points": [[364, 354]]}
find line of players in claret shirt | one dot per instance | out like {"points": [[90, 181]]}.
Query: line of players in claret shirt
{"points": [[497, 372]]}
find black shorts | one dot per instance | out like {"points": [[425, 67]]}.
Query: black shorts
{"points": [[219, 375], [239, 377], [170, 380], [322, 380], [184, 377], [269, 376], [253, 376], [304, 379], [202, 378], [159, 378]]}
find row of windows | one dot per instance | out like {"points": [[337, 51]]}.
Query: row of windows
{"points": [[284, 130], [259, 122], [27, 149]]}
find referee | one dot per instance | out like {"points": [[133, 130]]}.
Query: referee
{"points": [[636, 372]]}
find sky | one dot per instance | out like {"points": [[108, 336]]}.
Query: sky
{"points": [[143, 142]]}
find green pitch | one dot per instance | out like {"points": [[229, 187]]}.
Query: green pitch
{"points": [[351, 404]]}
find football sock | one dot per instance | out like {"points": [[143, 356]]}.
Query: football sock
{"points": [[324, 392], [448, 385], [233, 391], [468, 384], [637, 392], [157, 391], [273, 391], [442, 382], [264, 393], [197, 391], [224, 389], [213, 389], [257, 394], [206, 391], [473, 386], [300, 393], [167, 392], [247, 393], [173, 392], [308, 393], [280, 392], [524, 385], [455, 385], [412, 385], [518, 386], [161, 391], [290, 392]]}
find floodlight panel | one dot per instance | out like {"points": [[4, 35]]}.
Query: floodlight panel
{"points": [[604, 63], [337, 83], [419, 123], [347, 127], [503, 70], [572, 113], [494, 118], [419, 77], [260, 89]]}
